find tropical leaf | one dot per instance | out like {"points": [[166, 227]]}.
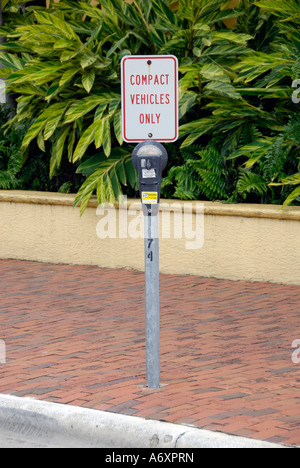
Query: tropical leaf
{"points": [[230, 37], [222, 89], [255, 149], [106, 177], [57, 150], [287, 8], [84, 142], [11, 61], [88, 80], [48, 19], [251, 182], [118, 127], [54, 120], [292, 197], [81, 107], [67, 76], [290, 180], [214, 73]]}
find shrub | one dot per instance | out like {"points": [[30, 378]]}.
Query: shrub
{"points": [[235, 93]]}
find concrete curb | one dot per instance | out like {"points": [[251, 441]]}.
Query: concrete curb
{"points": [[25, 422]]}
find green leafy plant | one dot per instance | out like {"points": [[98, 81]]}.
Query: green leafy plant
{"points": [[11, 156], [66, 72], [276, 153], [63, 64], [291, 144], [106, 176], [53, 68], [255, 124], [202, 174]]}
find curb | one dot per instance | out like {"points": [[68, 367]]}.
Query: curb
{"points": [[25, 422]]}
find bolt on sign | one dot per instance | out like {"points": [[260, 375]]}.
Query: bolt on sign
{"points": [[149, 98]]}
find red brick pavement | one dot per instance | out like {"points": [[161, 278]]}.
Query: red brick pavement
{"points": [[75, 335]]}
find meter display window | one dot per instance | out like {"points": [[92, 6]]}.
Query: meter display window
{"points": [[149, 173]]}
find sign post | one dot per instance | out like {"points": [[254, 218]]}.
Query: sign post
{"points": [[149, 117]]}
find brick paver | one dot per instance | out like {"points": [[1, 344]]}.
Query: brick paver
{"points": [[75, 335]]}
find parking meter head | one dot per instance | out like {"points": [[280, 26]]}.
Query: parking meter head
{"points": [[150, 158], [151, 149]]}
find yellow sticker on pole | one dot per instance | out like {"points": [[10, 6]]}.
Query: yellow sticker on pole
{"points": [[149, 197]]}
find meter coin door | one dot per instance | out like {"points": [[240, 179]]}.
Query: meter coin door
{"points": [[150, 158]]}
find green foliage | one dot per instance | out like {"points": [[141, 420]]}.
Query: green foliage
{"points": [[17, 172], [239, 133], [264, 109], [106, 176], [202, 174], [11, 157]]}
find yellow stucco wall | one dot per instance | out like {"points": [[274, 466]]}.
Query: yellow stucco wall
{"points": [[240, 242]]}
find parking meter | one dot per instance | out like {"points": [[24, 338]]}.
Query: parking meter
{"points": [[150, 158]]}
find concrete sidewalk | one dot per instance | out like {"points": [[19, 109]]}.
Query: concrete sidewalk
{"points": [[75, 335], [27, 423]]}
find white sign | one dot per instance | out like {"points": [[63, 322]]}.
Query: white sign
{"points": [[149, 98]]}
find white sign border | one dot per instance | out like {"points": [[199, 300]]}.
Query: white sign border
{"points": [[123, 92]]}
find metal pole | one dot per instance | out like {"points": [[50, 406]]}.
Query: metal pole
{"points": [[152, 300]]}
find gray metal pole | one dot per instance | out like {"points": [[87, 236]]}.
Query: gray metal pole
{"points": [[152, 300]]}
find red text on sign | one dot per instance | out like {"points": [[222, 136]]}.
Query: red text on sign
{"points": [[150, 98], [149, 118], [147, 80]]}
